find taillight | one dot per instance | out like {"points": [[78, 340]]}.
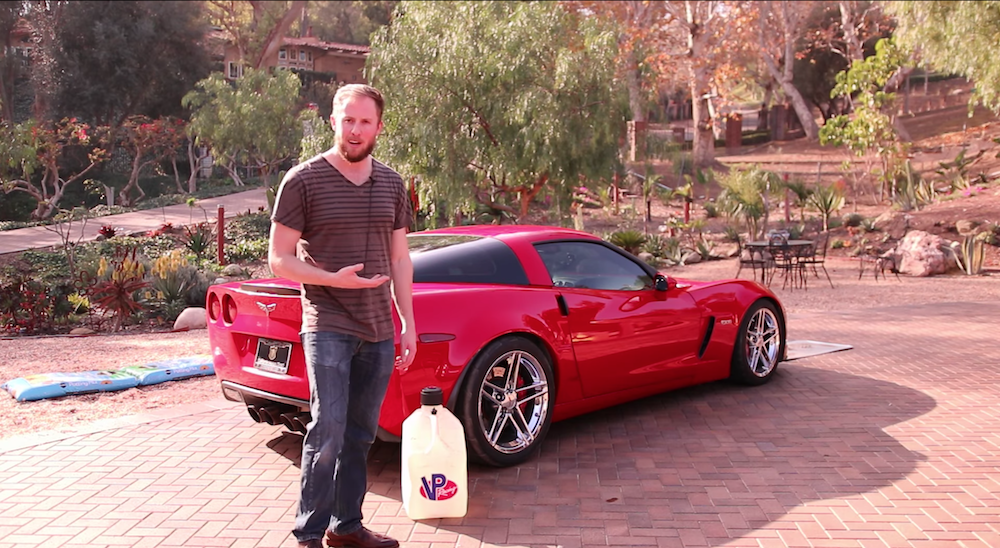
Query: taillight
{"points": [[214, 306], [228, 309]]}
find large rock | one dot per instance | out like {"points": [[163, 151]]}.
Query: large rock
{"points": [[193, 317], [921, 254]]}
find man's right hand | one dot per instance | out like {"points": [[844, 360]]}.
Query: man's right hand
{"points": [[347, 278]]}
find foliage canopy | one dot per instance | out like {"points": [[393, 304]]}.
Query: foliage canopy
{"points": [[522, 99], [959, 37]]}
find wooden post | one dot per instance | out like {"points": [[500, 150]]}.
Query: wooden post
{"points": [[220, 236], [614, 193], [788, 211]]}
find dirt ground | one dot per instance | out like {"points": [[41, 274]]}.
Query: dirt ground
{"points": [[816, 164]]}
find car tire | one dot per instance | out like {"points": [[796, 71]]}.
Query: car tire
{"points": [[760, 344], [507, 401]]}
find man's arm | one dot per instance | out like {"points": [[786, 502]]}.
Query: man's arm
{"points": [[402, 295], [284, 262]]}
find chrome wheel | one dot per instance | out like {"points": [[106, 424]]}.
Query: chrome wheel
{"points": [[505, 405], [760, 344], [513, 402]]}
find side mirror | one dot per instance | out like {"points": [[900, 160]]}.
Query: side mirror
{"points": [[663, 283]]}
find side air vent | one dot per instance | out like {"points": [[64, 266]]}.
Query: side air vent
{"points": [[708, 337]]}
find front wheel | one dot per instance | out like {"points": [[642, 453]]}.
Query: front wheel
{"points": [[760, 344], [506, 402]]}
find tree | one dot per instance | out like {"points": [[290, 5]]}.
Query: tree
{"points": [[958, 37], [253, 121], [351, 22], [869, 132], [119, 59], [523, 99], [779, 27], [31, 147], [148, 141], [696, 40], [10, 13], [256, 27], [637, 22]]}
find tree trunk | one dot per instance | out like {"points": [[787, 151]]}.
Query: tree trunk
{"points": [[233, 174], [177, 176], [133, 182], [703, 148], [277, 34], [195, 162], [802, 110], [634, 91]]}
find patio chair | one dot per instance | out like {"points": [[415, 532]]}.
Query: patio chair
{"points": [[756, 260], [786, 259], [817, 257]]}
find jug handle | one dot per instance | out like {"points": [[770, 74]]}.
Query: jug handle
{"points": [[434, 429]]}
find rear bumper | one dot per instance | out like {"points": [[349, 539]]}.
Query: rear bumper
{"points": [[258, 400]]}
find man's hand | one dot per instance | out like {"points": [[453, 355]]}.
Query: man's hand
{"points": [[407, 350], [347, 278]]}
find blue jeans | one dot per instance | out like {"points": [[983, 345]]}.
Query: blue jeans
{"points": [[348, 378]]}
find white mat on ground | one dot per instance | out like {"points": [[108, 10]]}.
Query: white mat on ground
{"points": [[804, 349]]}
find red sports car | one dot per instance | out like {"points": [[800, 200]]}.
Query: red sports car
{"points": [[520, 326]]}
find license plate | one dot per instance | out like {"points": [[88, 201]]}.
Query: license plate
{"points": [[272, 356]]}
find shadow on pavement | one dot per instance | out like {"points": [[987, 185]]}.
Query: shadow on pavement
{"points": [[717, 457]]}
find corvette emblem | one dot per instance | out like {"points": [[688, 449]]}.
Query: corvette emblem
{"points": [[267, 308]]}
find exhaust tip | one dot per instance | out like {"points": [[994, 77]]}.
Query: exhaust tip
{"points": [[254, 413], [267, 414], [288, 420], [301, 421]]}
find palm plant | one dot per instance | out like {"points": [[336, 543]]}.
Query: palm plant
{"points": [[827, 199], [747, 193], [629, 240], [802, 193]]}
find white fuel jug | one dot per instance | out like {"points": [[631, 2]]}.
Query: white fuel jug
{"points": [[434, 472]]}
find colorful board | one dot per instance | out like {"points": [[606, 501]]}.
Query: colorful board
{"points": [[54, 385], [171, 370]]}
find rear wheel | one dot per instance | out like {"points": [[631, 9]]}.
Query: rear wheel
{"points": [[506, 404], [760, 344]]}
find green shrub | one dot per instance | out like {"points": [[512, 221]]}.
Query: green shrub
{"points": [[853, 219], [247, 250]]}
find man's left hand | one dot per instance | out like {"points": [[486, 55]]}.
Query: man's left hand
{"points": [[407, 350]]}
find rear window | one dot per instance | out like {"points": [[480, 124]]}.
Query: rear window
{"points": [[460, 258]]}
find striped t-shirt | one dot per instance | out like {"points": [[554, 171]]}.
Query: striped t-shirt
{"points": [[344, 224]]}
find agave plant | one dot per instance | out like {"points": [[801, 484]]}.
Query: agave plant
{"points": [[971, 253]]}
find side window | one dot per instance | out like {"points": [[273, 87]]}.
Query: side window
{"points": [[591, 265]]}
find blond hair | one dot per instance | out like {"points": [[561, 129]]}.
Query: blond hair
{"points": [[359, 90]]}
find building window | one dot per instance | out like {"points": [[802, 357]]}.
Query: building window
{"points": [[310, 56], [235, 70], [282, 54], [302, 55]]}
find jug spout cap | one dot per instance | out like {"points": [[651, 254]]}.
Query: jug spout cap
{"points": [[431, 395]]}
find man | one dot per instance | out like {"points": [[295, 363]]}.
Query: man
{"points": [[339, 227]]}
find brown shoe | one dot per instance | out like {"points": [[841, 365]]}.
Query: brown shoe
{"points": [[362, 538]]}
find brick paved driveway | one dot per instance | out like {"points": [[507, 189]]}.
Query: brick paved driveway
{"points": [[894, 443]]}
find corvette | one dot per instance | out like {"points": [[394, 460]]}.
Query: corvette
{"points": [[520, 326]]}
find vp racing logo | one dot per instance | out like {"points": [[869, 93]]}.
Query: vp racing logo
{"points": [[439, 488]]}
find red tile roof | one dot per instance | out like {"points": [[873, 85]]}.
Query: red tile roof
{"points": [[314, 42]]}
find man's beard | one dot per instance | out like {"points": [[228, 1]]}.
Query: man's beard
{"points": [[357, 157]]}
